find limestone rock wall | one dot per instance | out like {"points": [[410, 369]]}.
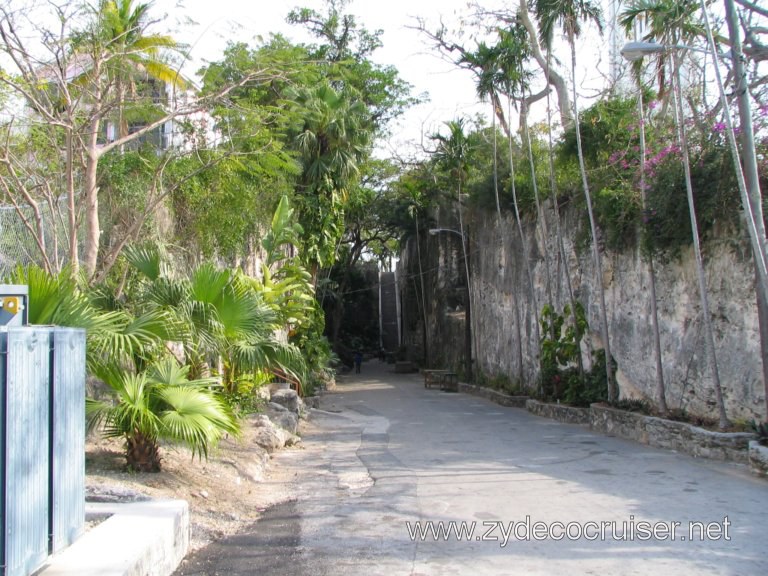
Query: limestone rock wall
{"points": [[504, 309]]}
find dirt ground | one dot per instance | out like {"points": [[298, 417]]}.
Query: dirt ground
{"points": [[226, 493]]}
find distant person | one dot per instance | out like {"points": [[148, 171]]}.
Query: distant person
{"points": [[382, 355], [358, 362]]}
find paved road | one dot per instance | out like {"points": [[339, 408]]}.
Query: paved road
{"points": [[385, 453]]}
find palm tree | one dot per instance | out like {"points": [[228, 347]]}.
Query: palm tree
{"points": [[499, 69], [672, 23], [135, 55], [161, 404], [569, 14], [332, 140], [224, 323]]}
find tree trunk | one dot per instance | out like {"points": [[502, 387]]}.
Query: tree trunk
{"points": [[425, 339], [558, 229], [539, 212], [660, 387], [142, 453], [92, 224], [553, 78], [610, 382], [707, 318], [526, 252], [74, 256]]}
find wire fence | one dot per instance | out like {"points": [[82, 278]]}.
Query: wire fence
{"points": [[19, 245]]}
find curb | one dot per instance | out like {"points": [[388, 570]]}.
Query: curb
{"points": [[138, 539]]}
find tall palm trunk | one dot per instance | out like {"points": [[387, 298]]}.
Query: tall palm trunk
{"points": [[468, 304], [500, 224], [425, 339], [524, 243], [539, 212], [660, 388], [558, 227], [708, 330], [611, 383]]}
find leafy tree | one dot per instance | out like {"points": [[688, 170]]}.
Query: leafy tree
{"points": [[332, 141], [71, 95], [345, 49]]}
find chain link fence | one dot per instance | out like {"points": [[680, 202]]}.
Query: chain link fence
{"points": [[18, 244]]}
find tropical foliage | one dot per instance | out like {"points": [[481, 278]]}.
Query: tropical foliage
{"points": [[160, 404]]}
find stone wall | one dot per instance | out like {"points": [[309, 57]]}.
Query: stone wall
{"points": [[504, 309]]}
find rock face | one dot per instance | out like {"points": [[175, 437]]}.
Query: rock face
{"points": [[505, 311]]}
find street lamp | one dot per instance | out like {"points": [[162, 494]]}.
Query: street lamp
{"points": [[468, 301]]}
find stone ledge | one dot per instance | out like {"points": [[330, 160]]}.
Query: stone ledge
{"points": [[493, 395], [758, 458], [559, 412], [670, 434]]}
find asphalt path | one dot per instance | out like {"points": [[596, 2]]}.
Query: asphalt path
{"points": [[399, 479]]}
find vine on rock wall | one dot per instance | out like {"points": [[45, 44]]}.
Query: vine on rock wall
{"points": [[560, 378]]}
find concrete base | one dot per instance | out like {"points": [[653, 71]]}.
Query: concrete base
{"points": [[138, 539]]}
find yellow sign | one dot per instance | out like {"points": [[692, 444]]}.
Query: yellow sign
{"points": [[11, 304]]}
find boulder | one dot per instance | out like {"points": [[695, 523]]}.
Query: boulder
{"points": [[289, 399], [113, 494], [271, 436], [286, 420]]}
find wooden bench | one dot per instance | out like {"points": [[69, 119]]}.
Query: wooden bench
{"points": [[447, 380]]}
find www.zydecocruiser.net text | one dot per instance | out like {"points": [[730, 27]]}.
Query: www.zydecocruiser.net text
{"points": [[526, 530]]}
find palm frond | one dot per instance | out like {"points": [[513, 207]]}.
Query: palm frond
{"points": [[195, 417], [146, 259]]}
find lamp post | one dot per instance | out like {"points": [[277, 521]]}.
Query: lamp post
{"points": [[468, 301]]}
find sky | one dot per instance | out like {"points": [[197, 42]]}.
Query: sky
{"points": [[450, 90]]}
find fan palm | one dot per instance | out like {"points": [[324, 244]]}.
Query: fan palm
{"points": [[569, 14], [224, 321], [114, 336], [161, 404], [333, 139]]}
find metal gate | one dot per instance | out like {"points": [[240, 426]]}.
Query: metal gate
{"points": [[42, 436]]}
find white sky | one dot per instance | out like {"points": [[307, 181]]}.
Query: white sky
{"points": [[451, 91]]}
